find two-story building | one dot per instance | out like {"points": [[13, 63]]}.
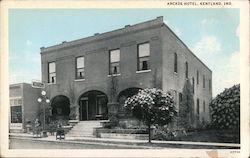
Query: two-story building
{"points": [[104, 69]]}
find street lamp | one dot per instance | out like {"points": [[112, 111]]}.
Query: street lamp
{"points": [[41, 99]]}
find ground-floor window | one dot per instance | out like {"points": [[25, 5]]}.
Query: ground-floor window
{"points": [[16, 114]]}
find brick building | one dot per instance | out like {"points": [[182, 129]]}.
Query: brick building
{"points": [[97, 73], [23, 106]]}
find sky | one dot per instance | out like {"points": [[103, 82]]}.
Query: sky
{"points": [[212, 35]]}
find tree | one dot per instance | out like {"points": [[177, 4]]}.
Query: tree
{"points": [[186, 108], [225, 109], [152, 106]]}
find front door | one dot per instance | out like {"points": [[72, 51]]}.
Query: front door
{"points": [[84, 109]]}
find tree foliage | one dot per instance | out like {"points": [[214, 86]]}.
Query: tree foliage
{"points": [[186, 108], [225, 109], [152, 106]]}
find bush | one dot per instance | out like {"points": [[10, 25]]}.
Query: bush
{"points": [[225, 109], [168, 134], [113, 122]]}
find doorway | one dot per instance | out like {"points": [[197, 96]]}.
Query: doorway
{"points": [[93, 106]]}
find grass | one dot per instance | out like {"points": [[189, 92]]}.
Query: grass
{"points": [[212, 135]]}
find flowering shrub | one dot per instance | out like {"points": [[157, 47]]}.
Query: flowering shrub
{"points": [[153, 106], [225, 109]]}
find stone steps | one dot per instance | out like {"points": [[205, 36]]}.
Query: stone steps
{"points": [[84, 128]]}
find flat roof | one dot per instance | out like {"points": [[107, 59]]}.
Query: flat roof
{"points": [[128, 28], [18, 84], [100, 36]]}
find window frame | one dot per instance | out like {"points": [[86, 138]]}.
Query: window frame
{"points": [[204, 81], [138, 57], [204, 106], [49, 73], [198, 107], [16, 103], [76, 69], [197, 77], [110, 63], [193, 82], [175, 63], [210, 84], [186, 70]]}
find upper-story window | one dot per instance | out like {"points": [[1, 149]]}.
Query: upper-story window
{"points": [[193, 84], [175, 63], [80, 73], [52, 73], [210, 84], [114, 61], [186, 69], [197, 77], [143, 56], [204, 81]]}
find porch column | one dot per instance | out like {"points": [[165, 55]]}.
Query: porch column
{"points": [[113, 108]]}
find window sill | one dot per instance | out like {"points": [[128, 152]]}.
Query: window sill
{"points": [[79, 80], [114, 75], [142, 71], [51, 84]]}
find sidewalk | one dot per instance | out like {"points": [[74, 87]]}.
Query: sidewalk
{"points": [[125, 142]]}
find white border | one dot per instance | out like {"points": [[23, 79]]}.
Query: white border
{"points": [[244, 71]]}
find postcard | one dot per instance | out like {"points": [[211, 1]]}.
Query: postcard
{"points": [[124, 78]]}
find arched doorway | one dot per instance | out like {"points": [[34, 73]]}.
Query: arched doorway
{"points": [[93, 106], [123, 95], [60, 107]]}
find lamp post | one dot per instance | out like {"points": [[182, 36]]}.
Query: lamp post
{"points": [[42, 99]]}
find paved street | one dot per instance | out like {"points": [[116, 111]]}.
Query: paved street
{"points": [[16, 143]]}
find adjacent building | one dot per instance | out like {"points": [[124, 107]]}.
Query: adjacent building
{"points": [[97, 73], [24, 107]]}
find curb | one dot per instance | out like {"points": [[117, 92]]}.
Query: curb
{"points": [[115, 144], [127, 143]]}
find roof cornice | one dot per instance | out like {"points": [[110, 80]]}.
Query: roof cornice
{"points": [[111, 34]]}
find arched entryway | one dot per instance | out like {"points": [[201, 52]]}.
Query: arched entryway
{"points": [[123, 95], [93, 106], [60, 107]]}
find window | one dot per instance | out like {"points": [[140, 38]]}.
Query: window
{"points": [[16, 110], [204, 106], [80, 74], [52, 72], [193, 84], [186, 70], [143, 57], [114, 61], [175, 96], [210, 85], [198, 107], [175, 63], [197, 77], [203, 81]]}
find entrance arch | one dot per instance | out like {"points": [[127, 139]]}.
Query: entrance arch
{"points": [[60, 107], [93, 105], [123, 95]]}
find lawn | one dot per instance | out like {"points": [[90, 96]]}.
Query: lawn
{"points": [[212, 135]]}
